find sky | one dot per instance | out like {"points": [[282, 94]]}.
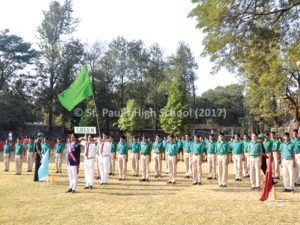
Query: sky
{"points": [[154, 21]]}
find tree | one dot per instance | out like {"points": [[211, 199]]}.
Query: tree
{"points": [[130, 120], [57, 25], [172, 118]]}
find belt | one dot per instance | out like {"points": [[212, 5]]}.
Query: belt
{"points": [[255, 156], [288, 159], [90, 158], [104, 156]]}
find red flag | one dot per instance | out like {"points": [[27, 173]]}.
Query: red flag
{"points": [[268, 182]]}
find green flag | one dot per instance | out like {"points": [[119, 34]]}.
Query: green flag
{"points": [[78, 91]]}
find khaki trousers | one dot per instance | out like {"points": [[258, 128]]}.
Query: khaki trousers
{"points": [[255, 171], [297, 169], [212, 164], [276, 170], [158, 163], [18, 160], [58, 161], [112, 165], [122, 166], [6, 161], [288, 173], [135, 163], [172, 165], [29, 160], [145, 166], [246, 164], [223, 169], [197, 170], [237, 163], [188, 161]]}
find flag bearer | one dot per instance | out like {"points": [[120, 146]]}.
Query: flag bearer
{"points": [[38, 155], [171, 150], [223, 151], [211, 157], [135, 155], [122, 149], [197, 148], [158, 151], [6, 155], [58, 152], [237, 147], [145, 157], [188, 155], [276, 155]]}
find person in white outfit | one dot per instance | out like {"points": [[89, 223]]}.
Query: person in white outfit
{"points": [[104, 158]]}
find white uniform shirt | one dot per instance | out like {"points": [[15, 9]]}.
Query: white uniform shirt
{"points": [[104, 148], [89, 149]]}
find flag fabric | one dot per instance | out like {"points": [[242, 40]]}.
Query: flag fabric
{"points": [[43, 170], [78, 91], [268, 182]]}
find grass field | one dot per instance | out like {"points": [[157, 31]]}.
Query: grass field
{"points": [[131, 202]]}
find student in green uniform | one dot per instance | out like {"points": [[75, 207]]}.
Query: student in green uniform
{"points": [[158, 151], [58, 151], [19, 156], [276, 155], [197, 148], [223, 151], [45, 146], [180, 148], [294, 136], [255, 150], [237, 147], [211, 157], [246, 159], [122, 149], [145, 157], [113, 156], [171, 150], [135, 148], [30, 148], [165, 154], [268, 147], [287, 149], [188, 155], [6, 155]]}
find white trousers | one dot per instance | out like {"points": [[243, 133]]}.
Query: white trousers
{"points": [[89, 172], [288, 173], [276, 170], [237, 162], [212, 162], [122, 166], [172, 165], [297, 169], [145, 166], [158, 163], [188, 161], [255, 171], [104, 164], [135, 163], [197, 170], [73, 177], [223, 169]]}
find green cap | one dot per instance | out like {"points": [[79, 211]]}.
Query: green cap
{"points": [[261, 136], [41, 134]]}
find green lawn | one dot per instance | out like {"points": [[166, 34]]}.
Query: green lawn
{"points": [[131, 202]]}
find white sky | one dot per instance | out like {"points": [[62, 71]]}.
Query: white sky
{"points": [[161, 21]]}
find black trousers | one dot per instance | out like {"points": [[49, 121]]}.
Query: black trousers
{"points": [[36, 169]]}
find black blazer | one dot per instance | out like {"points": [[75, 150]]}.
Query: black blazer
{"points": [[74, 155]]}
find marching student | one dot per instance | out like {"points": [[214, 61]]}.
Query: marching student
{"points": [[58, 152], [97, 160], [287, 149], [197, 148], [276, 156], [211, 157], [19, 156], [89, 159], [112, 165], [237, 147], [122, 149], [158, 151], [188, 155], [255, 151], [171, 150], [135, 148], [294, 136], [73, 163], [268, 147], [297, 161], [30, 150], [145, 157], [165, 155], [223, 151], [6, 155], [38, 155], [246, 161], [180, 148], [104, 154]]}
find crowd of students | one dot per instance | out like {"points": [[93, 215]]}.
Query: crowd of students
{"points": [[249, 157]]}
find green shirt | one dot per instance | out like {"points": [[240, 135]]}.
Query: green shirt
{"points": [[158, 147], [211, 147], [6, 148], [197, 147], [59, 148], [293, 140], [30, 147], [187, 146], [45, 148], [275, 145], [122, 148], [145, 147], [165, 144], [171, 148], [255, 149], [297, 146], [179, 144], [18, 148], [246, 145], [222, 148], [287, 150], [135, 147], [237, 147], [114, 145], [268, 146]]}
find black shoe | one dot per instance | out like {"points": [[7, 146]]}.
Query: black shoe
{"points": [[215, 178], [169, 182], [90, 187], [28, 171], [285, 190], [199, 183], [257, 188], [209, 178], [55, 172], [110, 174], [69, 190], [278, 178], [97, 178], [188, 177], [120, 179], [194, 183], [240, 179], [101, 183], [147, 180], [236, 179], [142, 180], [86, 187], [60, 171], [224, 186], [73, 191], [173, 182], [220, 185], [156, 176]]}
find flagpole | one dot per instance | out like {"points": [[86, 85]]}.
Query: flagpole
{"points": [[96, 114]]}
